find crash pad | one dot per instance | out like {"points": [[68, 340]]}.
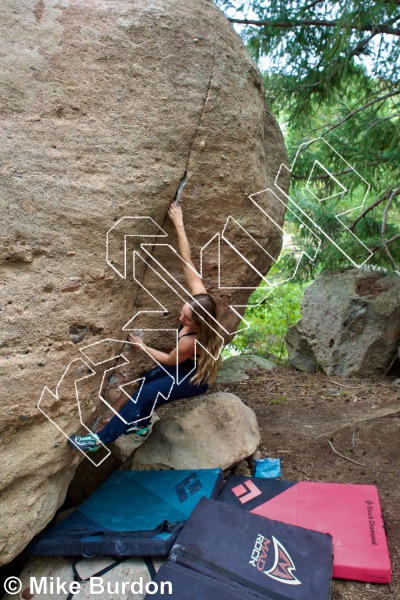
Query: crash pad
{"points": [[350, 513], [133, 513], [269, 558]]}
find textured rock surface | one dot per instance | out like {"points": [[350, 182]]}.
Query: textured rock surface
{"points": [[351, 322], [105, 107], [131, 570], [216, 430], [301, 356], [235, 368]]}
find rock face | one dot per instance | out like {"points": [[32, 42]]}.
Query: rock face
{"points": [[350, 324], [89, 477], [301, 355], [215, 430], [107, 109]]}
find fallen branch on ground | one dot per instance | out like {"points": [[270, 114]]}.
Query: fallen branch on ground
{"points": [[354, 387], [384, 414], [345, 457]]}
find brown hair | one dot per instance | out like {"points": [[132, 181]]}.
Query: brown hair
{"points": [[204, 311]]}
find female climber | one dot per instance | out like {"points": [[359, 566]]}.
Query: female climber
{"points": [[197, 323]]}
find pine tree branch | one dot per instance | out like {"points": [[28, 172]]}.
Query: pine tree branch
{"points": [[328, 175], [392, 86], [357, 50], [326, 78], [383, 229], [393, 239], [312, 4], [377, 121], [318, 177], [307, 86], [361, 108], [392, 190], [290, 24]]}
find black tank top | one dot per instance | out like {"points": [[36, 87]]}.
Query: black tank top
{"points": [[187, 365], [189, 361]]}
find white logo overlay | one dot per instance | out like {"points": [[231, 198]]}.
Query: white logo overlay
{"points": [[283, 567], [80, 368]]}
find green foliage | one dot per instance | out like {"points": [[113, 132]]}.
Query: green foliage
{"points": [[280, 400], [269, 318], [333, 82], [333, 74], [316, 42], [355, 158]]}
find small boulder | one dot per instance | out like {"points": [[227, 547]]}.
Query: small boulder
{"points": [[243, 468], [235, 368], [217, 430]]}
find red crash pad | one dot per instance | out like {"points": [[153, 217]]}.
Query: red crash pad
{"points": [[351, 514]]}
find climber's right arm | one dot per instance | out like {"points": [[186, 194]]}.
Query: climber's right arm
{"points": [[193, 279]]}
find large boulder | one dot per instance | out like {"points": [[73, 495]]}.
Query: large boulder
{"points": [[107, 109], [216, 430], [350, 323]]}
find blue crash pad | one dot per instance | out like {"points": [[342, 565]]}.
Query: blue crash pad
{"points": [[133, 513]]}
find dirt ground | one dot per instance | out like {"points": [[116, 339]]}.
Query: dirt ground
{"points": [[299, 413]]}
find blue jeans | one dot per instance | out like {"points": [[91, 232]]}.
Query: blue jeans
{"points": [[147, 397]]}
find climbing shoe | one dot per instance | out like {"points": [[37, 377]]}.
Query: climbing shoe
{"points": [[88, 443], [140, 431]]}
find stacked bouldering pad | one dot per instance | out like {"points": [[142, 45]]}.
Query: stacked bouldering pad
{"points": [[258, 538], [256, 557], [100, 577]]}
